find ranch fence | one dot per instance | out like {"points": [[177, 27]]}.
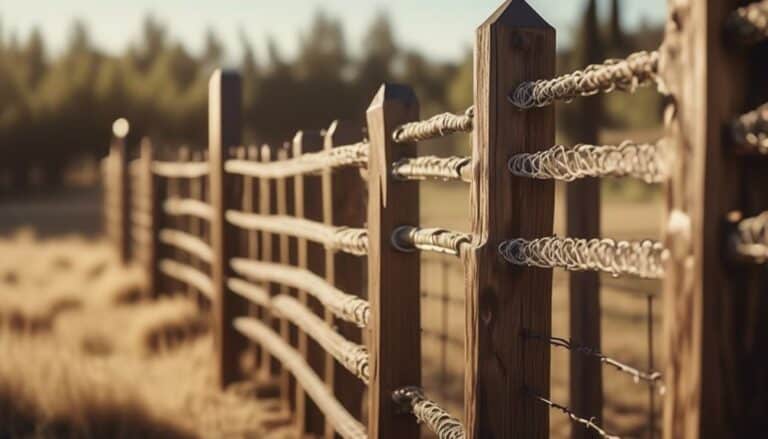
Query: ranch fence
{"points": [[308, 254]]}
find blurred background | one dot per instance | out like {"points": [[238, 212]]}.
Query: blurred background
{"points": [[69, 69]]}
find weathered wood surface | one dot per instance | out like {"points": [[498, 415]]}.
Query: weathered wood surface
{"points": [[502, 368]]}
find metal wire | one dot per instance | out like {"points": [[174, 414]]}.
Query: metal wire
{"points": [[436, 126], [638, 258], [589, 424], [653, 378], [638, 69], [750, 23], [644, 161], [439, 421], [750, 130]]}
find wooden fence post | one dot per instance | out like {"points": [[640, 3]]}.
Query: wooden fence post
{"points": [[118, 153], [714, 310], [393, 276], [224, 131], [503, 369], [154, 191], [311, 256], [343, 205]]}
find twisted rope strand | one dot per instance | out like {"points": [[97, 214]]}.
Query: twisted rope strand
{"points": [[422, 168], [408, 238], [750, 130], [335, 413], [436, 126], [644, 161], [644, 259], [750, 238], [750, 23], [310, 163], [432, 415], [638, 69], [589, 424]]}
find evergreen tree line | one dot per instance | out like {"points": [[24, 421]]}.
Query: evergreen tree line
{"points": [[54, 109]]}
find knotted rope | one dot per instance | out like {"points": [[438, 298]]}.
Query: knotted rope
{"points": [[432, 415], [644, 161], [638, 69], [750, 238], [436, 126], [421, 168], [407, 238], [310, 163], [640, 258], [750, 23], [750, 130]]}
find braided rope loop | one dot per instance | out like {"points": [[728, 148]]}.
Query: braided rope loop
{"points": [[432, 415], [436, 126], [644, 161], [750, 23], [422, 168], [638, 69], [750, 130], [750, 238], [644, 259]]}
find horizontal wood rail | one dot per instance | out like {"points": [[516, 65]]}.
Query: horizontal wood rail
{"points": [[191, 276], [180, 169], [189, 243], [187, 206]]}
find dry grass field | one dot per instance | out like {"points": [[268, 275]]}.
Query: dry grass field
{"points": [[85, 355]]}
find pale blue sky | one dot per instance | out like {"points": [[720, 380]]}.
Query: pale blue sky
{"points": [[440, 28]]}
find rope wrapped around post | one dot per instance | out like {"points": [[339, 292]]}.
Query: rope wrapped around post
{"points": [[355, 155], [408, 239], [647, 162], [422, 168], [644, 259], [750, 131], [638, 69], [749, 24], [749, 238], [436, 126], [439, 421]]}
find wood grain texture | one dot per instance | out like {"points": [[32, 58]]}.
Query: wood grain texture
{"points": [[311, 256], [393, 276], [344, 205], [515, 44], [715, 342], [224, 131]]}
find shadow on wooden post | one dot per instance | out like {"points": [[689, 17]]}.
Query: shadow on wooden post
{"points": [[514, 45], [224, 130], [393, 276]]}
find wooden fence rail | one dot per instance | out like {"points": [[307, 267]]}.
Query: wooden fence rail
{"points": [[309, 253]]}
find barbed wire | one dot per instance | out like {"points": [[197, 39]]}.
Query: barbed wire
{"points": [[638, 69], [438, 420], [638, 258], [749, 239], [750, 23], [750, 130], [652, 378], [589, 424], [436, 126], [644, 161], [424, 167]]}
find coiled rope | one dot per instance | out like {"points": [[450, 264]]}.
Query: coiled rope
{"points": [[750, 23], [436, 126], [432, 415], [310, 163], [644, 259], [638, 69], [750, 238], [644, 161], [444, 168], [437, 240], [750, 130]]}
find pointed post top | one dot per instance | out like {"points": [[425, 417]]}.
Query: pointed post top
{"points": [[516, 13]]}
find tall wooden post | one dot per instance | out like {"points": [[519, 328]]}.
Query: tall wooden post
{"points": [[393, 276], [343, 205], [715, 332], [503, 369], [311, 256], [118, 153], [583, 221], [154, 191], [224, 131]]}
